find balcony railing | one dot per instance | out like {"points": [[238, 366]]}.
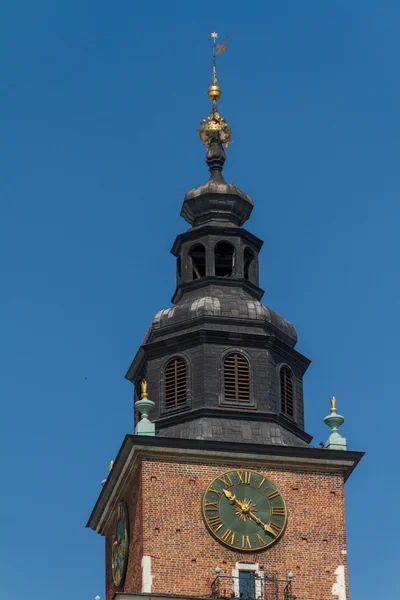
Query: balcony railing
{"points": [[252, 586]]}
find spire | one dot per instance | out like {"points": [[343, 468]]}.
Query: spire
{"points": [[216, 202], [214, 130]]}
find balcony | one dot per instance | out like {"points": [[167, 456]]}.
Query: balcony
{"points": [[252, 586]]}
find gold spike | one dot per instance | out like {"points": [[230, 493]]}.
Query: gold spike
{"points": [[333, 405], [110, 465]]}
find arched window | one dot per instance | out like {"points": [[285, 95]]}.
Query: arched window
{"points": [[248, 263], [175, 383], [287, 391], [236, 378], [197, 255], [224, 254]]}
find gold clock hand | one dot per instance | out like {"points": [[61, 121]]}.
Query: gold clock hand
{"points": [[232, 498], [264, 525]]}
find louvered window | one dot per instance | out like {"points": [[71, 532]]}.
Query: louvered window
{"points": [[175, 383], [236, 378], [287, 391]]}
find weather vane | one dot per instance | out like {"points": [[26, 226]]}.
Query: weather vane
{"points": [[215, 129]]}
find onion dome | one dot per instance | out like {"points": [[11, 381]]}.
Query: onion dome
{"points": [[216, 202]]}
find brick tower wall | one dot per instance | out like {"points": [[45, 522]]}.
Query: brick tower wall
{"points": [[166, 524]]}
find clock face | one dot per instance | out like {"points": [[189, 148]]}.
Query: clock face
{"points": [[244, 510], [120, 544]]}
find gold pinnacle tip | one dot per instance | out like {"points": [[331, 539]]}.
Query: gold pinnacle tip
{"points": [[110, 465], [143, 387], [333, 405]]}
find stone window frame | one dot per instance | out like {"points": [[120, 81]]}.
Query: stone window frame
{"points": [[248, 566], [221, 395], [279, 367], [169, 411], [253, 271]]}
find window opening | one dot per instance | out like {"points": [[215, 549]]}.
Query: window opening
{"points": [[236, 378], [179, 266], [197, 254], [248, 261], [224, 259], [175, 383], [287, 391]]}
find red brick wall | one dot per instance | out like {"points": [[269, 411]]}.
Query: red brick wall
{"points": [[184, 555]]}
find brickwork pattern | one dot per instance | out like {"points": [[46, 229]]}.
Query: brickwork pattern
{"points": [[184, 555]]}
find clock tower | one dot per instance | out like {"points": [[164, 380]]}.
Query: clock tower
{"points": [[219, 492]]}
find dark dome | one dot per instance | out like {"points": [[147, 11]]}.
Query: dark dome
{"points": [[216, 201], [233, 304]]}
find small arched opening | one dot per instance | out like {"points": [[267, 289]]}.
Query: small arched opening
{"points": [[197, 255], [224, 255], [248, 264]]}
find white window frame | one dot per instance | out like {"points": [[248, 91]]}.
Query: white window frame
{"points": [[259, 581]]}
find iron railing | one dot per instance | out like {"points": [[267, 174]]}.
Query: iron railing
{"points": [[255, 586]]}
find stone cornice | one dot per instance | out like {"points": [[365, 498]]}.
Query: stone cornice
{"points": [[253, 290], [136, 447], [197, 232]]}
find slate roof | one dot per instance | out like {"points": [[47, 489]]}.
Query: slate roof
{"points": [[232, 303], [233, 430]]}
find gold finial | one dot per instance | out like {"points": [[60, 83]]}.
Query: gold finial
{"points": [[110, 465], [143, 387], [215, 128], [333, 405]]}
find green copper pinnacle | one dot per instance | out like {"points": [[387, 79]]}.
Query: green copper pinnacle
{"points": [[335, 441]]}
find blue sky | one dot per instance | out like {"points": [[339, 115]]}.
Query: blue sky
{"points": [[99, 107]]}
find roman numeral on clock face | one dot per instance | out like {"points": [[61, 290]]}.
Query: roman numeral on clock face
{"points": [[214, 491], [275, 528], [229, 536], [262, 542], [273, 495], [246, 541], [226, 480], [244, 476], [278, 510], [211, 505], [215, 523]]}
